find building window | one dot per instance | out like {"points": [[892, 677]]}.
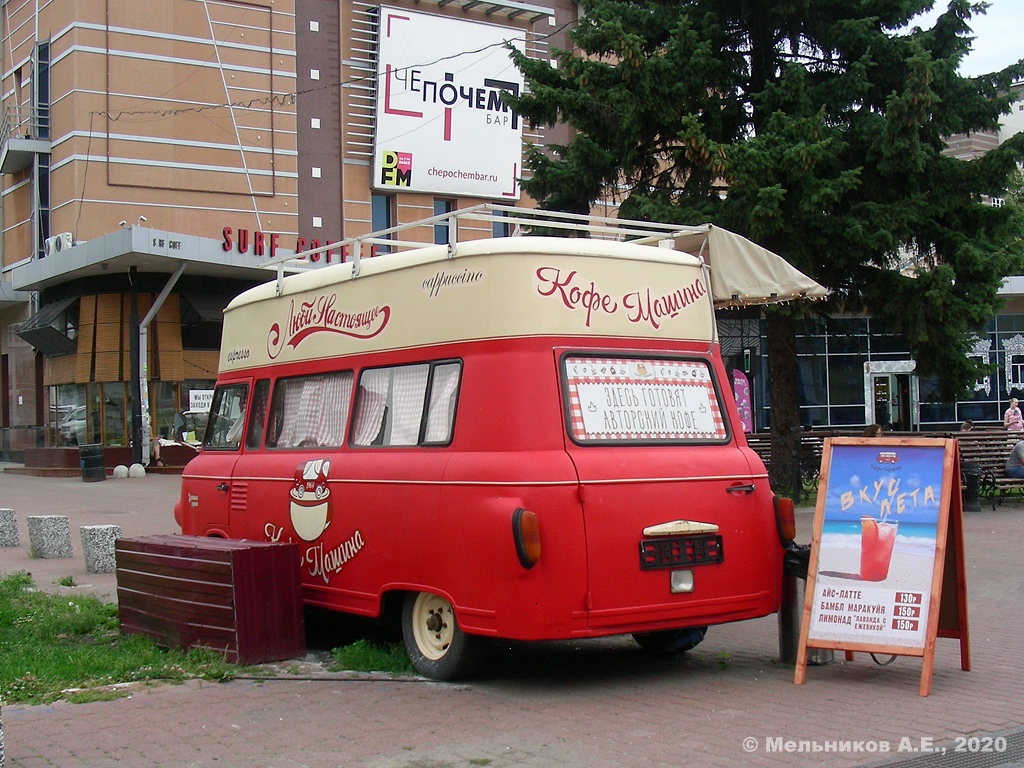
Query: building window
{"points": [[41, 91], [442, 207], [380, 219], [501, 228], [1016, 368], [43, 201]]}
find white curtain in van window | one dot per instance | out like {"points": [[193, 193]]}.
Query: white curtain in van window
{"points": [[442, 403], [291, 428], [332, 395], [316, 409], [408, 392], [373, 397]]}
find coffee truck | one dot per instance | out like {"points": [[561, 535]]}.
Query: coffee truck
{"points": [[526, 438]]}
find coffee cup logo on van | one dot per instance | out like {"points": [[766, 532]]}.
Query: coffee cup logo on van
{"points": [[309, 507]]}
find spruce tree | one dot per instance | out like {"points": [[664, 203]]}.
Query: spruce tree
{"points": [[814, 128]]}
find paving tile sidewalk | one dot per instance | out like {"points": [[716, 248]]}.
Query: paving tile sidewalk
{"points": [[141, 506], [596, 703]]}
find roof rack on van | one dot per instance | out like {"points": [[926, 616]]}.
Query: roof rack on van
{"points": [[512, 221], [742, 272]]}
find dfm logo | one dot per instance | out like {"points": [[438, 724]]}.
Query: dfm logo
{"points": [[396, 169]]}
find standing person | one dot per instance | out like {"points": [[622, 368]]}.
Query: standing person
{"points": [[1012, 419], [873, 430], [967, 426]]}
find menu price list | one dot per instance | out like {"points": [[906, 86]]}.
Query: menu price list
{"points": [[864, 611], [906, 611]]}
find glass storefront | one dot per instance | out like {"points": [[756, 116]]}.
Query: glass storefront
{"points": [[837, 389], [100, 412]]}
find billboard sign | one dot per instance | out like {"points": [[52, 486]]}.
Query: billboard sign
{"points": [[441, 125]]}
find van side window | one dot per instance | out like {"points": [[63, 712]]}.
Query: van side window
{"points": [[227, 414], [260, 395], [406, 405], [310, 411], [444, 386]]}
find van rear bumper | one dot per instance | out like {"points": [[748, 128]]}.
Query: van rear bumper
{"points": [[673, 615]]}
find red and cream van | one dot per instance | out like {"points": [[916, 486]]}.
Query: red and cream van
{"points": [[527, 438]]}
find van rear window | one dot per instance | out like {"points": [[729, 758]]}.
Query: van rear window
{"points": [[641, 400]]}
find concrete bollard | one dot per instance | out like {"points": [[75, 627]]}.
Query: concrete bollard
{"points": [[8, 528], [98, 547], [49, 536]]}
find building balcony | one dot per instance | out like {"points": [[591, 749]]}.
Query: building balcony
{"points": [[24, 133]]}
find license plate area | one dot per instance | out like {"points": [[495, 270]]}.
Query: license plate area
{"points": [[680, 551]]}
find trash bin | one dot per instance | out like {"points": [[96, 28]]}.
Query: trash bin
{"points": [[794, 580], [971, 471], [90, 457]]}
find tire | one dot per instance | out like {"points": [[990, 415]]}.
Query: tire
{"points": [[436, 645], [671, 640]]}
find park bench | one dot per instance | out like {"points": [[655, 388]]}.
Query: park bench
{"points": [[985, 448], [811, 447], [988, 449]]}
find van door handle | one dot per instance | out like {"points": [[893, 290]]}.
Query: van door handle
{"points": [[224, 486], [748, 488]]}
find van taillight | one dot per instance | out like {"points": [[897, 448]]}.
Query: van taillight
{"points": [[785, 519], [526, 535]]}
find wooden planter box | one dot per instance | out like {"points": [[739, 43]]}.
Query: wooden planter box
{"points": [[241, 598]]}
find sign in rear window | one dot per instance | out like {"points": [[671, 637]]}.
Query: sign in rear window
{"points": [[616, 399]]}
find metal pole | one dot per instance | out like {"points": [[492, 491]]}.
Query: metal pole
{"points": [[133, 354], [147, 417], [797, 452]]}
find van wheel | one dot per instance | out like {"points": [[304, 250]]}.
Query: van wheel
{"points": [[671, 640], [433, 640]]}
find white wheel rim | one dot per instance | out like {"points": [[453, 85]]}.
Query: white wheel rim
{"points": [[433, 625]]}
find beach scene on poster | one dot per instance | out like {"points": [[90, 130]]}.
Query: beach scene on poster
{"points": [[877, 548]]}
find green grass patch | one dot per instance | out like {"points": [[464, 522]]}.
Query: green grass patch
{"points": [[367, 656], [52, 643]]}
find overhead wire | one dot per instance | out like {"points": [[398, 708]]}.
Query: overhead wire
{"points": [[283, 99]]}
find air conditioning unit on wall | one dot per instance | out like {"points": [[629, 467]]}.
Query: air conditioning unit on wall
{"points": [[57, 244]]}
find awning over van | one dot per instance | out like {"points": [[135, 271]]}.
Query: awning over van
{"points": [[744, 273]]}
